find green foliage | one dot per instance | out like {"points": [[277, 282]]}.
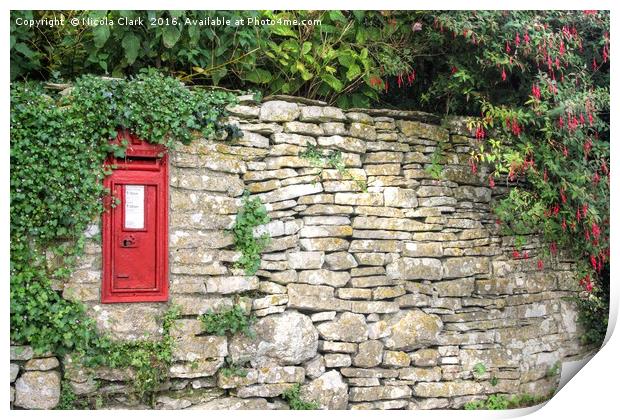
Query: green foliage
{"points": [[593, 315], [252, 214], [230, 321], [293, 397], [435, 169], [554, 370], [493, 402], [58, 145], [232, 369], [332, 159], [336, 56], [479, 369], [502, 402], [68, 399], [540, 81], [148, 359]]}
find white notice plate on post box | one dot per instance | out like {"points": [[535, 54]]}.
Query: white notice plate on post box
{"points": [[134, 206]]}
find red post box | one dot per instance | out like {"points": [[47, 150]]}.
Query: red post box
{"points": [[135, 228]]}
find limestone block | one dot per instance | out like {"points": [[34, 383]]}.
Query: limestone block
{"points": [[278, 111]]}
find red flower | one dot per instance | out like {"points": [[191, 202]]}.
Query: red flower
{"points": [[526, 255], [507, 47], [454, 70], [503, 74], [526, 38], [491, 181], [376, 81], [586, 283], [517, 40], [472, 165], [516, 255], [596, 230], [553, 247], [541, 264]]}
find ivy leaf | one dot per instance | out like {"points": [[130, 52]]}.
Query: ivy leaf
{"points": [[171, 36], [131, 44]]}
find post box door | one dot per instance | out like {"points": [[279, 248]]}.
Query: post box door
{"points": [[135, 242]]}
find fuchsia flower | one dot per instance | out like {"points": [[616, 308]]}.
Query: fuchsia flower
{"points": [[553, 247], [541, 264], [536, 91], [503, 74], [516, 255], [526, 38], [596, 230], [594, 262], [491, 181], [517, 40], [586, 283], [472, 165]]}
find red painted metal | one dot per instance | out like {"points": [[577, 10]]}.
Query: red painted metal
{"points": [[135, 230]]}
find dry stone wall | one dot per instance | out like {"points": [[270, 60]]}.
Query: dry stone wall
{"points": [[381, 288]]}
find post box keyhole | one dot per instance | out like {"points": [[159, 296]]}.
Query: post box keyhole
{"points": [[128, 241]]}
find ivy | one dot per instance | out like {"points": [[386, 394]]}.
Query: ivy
{"points": [[251, 215], [58, 144]]}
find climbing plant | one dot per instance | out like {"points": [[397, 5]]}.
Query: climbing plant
{"points": [[58, 145], [251, 215]]}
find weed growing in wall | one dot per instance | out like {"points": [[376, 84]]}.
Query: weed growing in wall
{"points": [[252, 214], [333, 159], [293, 397], [230, 321], [502, 402]]}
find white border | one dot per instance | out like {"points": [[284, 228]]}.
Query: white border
{"points": [[593, 393]]}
